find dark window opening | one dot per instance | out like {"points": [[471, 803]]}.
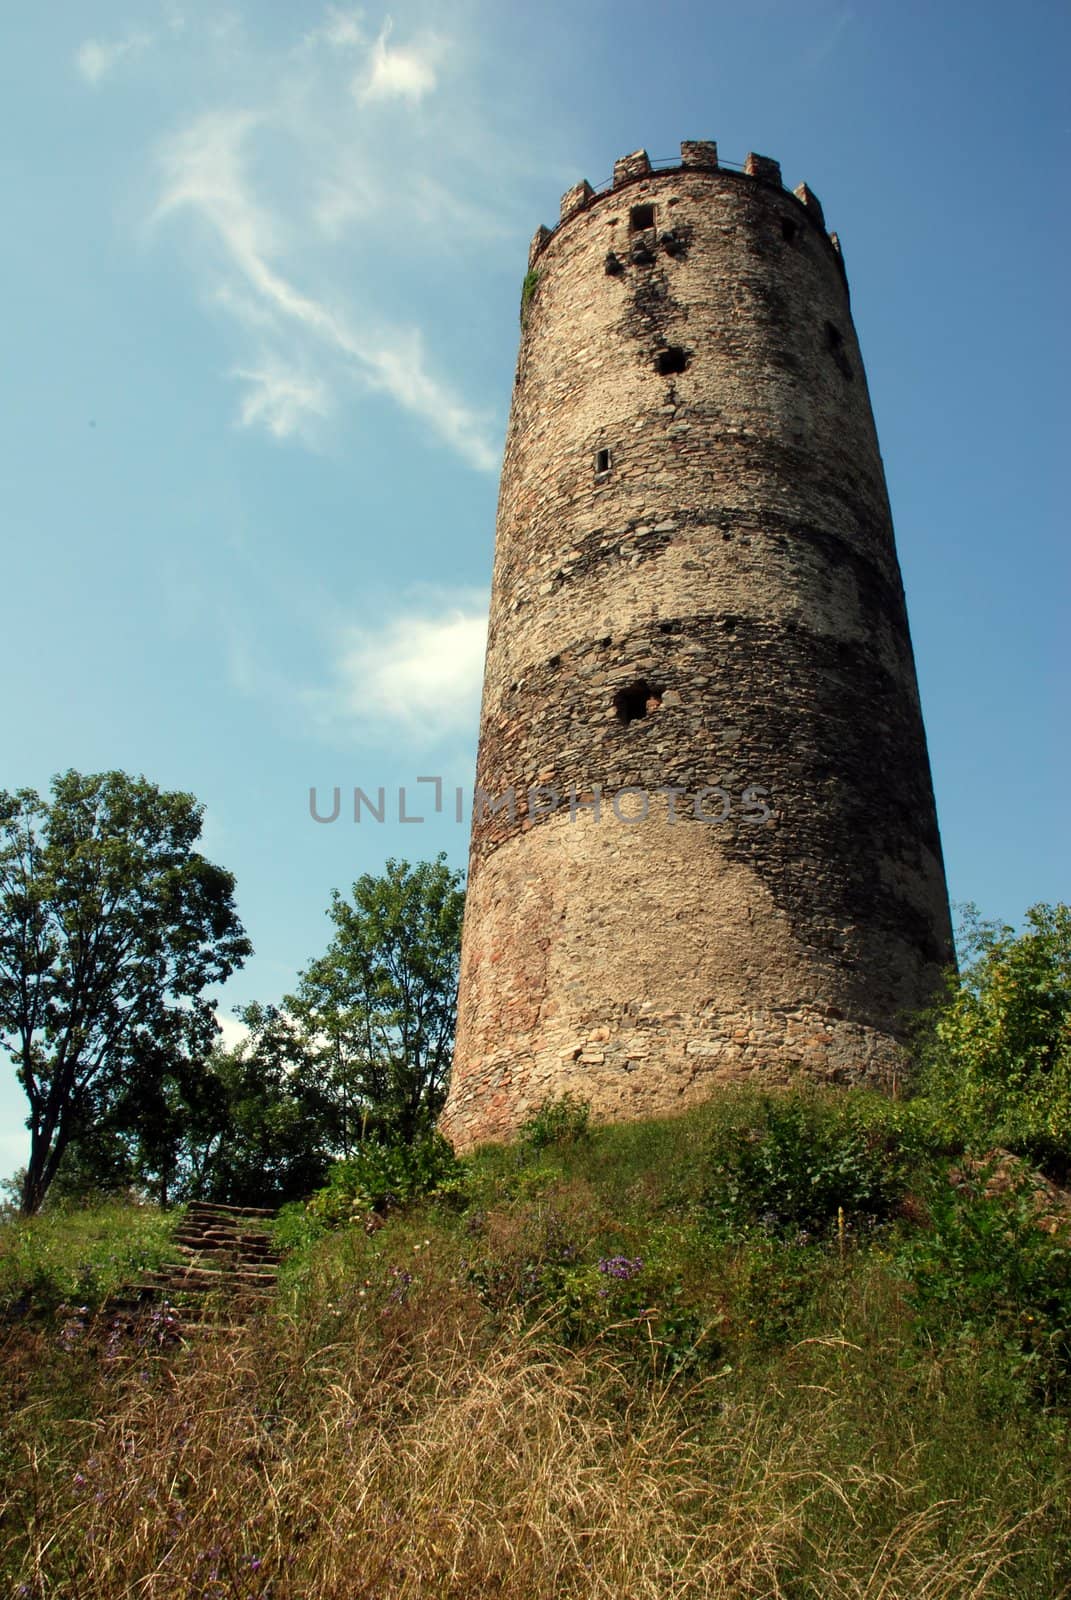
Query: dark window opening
{"points": [[789, 229], [555, 661], [672, 360], [640, 217], [602, 461], [638, 700]]}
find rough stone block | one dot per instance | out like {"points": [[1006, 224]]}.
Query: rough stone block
{"points": [[764, 167], [699, 153], [539, 239], [637, 165], [575, 199]]}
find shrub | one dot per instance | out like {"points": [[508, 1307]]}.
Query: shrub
{"points": [[382, 1175], [528, 290], [565, 1119], [995, 1052], [986, 1264], [806, 1158]]}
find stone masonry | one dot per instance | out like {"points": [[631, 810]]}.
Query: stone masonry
{"points": [[705, 845]]}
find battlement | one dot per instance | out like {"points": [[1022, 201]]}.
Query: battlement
{"points": [[696, 155]]}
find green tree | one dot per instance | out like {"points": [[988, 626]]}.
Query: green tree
{"points": [[111, 927], [382, 1000], [996, 1049], [264, 1134]]}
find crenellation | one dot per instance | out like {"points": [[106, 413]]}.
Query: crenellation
{"points": [[699, 153], [808, 198], [575, 199], [764, 167], [627, 168], [539, 239]]}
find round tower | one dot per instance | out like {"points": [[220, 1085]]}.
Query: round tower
{"points": [[704, 844]]}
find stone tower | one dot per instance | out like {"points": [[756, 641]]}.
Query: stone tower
{"points": [[704, 845]]}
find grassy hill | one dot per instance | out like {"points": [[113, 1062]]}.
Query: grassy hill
{"points": [[791, 1346]]}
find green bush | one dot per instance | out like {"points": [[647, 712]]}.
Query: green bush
{"points": [[565, 1119], [805, 1162], [528, 290], [381, 1175], [984, 1265], [995, 1052]]}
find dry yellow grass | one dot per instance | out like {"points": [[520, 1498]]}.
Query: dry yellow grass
{"points": [[445, 1464]]}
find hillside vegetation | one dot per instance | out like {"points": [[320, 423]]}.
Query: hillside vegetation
{"points": [[764, 1349], [801, 1345]]}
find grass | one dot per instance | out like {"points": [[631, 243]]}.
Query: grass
{"points": [[579, 1375], [78, 1255]]}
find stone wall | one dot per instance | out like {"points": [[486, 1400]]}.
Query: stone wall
{"points": [[696, 598]]}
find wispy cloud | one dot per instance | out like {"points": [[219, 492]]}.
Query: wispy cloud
{"points": [[400, 72], [282, 401], [333, 266], [97, 58], [206, 173], [418, 673]]}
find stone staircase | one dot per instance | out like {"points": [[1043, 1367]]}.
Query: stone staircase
{"points": [[224, 1266], [221, 1250]]}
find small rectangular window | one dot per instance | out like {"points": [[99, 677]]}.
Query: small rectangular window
{"points": [[640, 217], [602, 462]]}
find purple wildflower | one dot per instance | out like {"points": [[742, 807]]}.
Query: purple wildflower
{"points": [[622, 1267]]}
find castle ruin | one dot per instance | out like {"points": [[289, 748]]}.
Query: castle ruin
{"points": [[705, 844]]}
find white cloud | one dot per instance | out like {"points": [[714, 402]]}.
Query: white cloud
{"points": [[233, 1034], [206, 174], [418, 674], [281, 401], [96, 58], [404, 73]]}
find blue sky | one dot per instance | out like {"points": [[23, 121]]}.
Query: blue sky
{"points": [[261, 275]]}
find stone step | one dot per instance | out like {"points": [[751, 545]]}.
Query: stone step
{"points": [[202, 1208], [239, 1269], [195, 1241], [198, 1281]]}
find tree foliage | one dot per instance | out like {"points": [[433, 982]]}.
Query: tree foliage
{"points": [[112, 925], [996, 1050], [381, 1002]]}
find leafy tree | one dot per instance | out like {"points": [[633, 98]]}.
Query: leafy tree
{"points": [[382, 1001], [996, 1050], [263, 1134], [111, 927], [247, 1125]]}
